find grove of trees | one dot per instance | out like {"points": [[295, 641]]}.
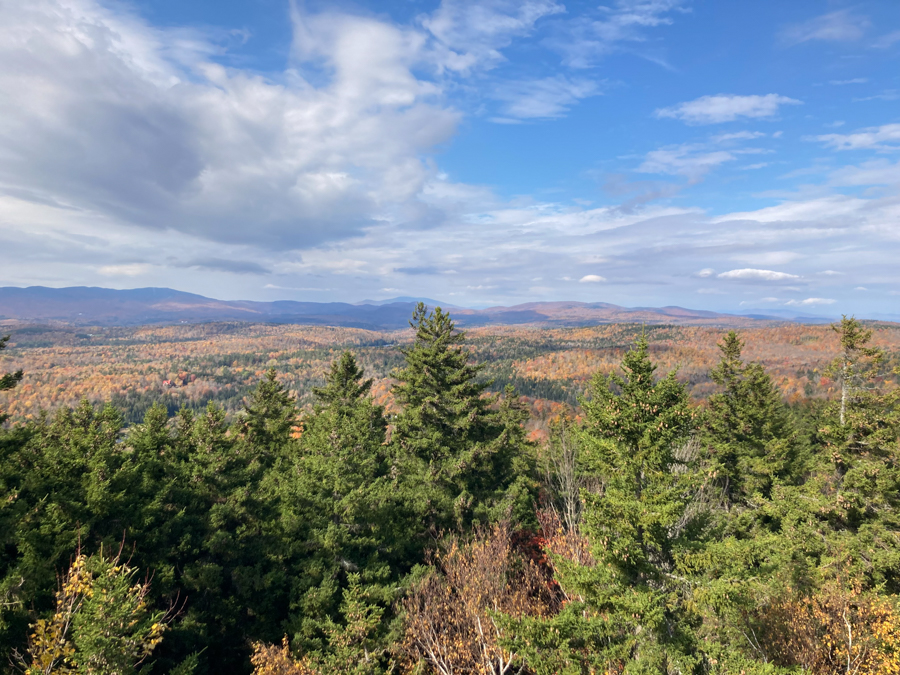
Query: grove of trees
{"points": [[651, 534]]}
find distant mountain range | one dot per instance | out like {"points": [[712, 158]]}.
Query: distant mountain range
{"points": [[83, 305]]}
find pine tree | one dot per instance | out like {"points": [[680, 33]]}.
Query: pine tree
{"points": [[747, 427], [344, 386]]}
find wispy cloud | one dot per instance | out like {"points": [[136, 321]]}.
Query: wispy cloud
{"points": [[810, 302], [584, 40], [546, 98], [128, 270], [223, 265], [726, 108], [738, 136], [692, 161], [840, 26], [471, 35], [886, 95], [855, 80], [591, 279], [885, 137], [887, 41], [769, 257]]}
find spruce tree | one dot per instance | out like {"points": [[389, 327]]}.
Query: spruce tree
{"points": [[344, 386], [857, 362], [339, 511], [269, 419], [747, 427], [631, 610], [449, 438]]}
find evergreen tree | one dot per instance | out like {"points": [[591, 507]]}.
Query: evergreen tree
{"points": [[857, 362], [344, 386], [747, 427], [450, 439], [269, 419], [857, 482], [339, 510], [8, 380], [631, 610]]}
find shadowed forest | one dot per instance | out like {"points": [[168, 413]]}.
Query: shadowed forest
{"points": [[282, 500]]}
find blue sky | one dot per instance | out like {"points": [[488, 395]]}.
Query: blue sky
{"points": [[716, 155]]}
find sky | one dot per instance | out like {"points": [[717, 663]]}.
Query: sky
{"points": [[729, 156]]}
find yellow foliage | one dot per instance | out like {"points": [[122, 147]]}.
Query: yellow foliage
{"points": [[277, 660], [840, 630]]}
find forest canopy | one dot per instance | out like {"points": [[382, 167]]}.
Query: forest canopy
{"points": [[427, 531]]}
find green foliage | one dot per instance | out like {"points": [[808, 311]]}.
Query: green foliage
{"points": [[460, 454], [337, 510], [101, 624], [747, 427], [729, 537], [630, 606], [8, 380]]}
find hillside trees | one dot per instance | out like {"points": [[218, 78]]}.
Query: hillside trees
{"points": [[680, 538], [189, 503]]}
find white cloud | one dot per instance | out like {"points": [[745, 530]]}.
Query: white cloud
{"points": [[545, 98], [689, 160], [130, 270], [705, 272], [738, 136], [804, 209], [810, 302], [885, 137], [591, 279], [726, 108], [583, 41], [470, 35], [749, 274], [873, 172], [103, 112], [840, 26]]}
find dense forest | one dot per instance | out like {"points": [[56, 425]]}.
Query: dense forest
{"points": [[223, 362], [708, 522]]}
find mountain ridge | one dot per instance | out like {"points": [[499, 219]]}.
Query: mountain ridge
{"points": [[92, 305]]}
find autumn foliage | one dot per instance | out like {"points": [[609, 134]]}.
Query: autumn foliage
{"points": [[454, 616], [668, 500]]}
